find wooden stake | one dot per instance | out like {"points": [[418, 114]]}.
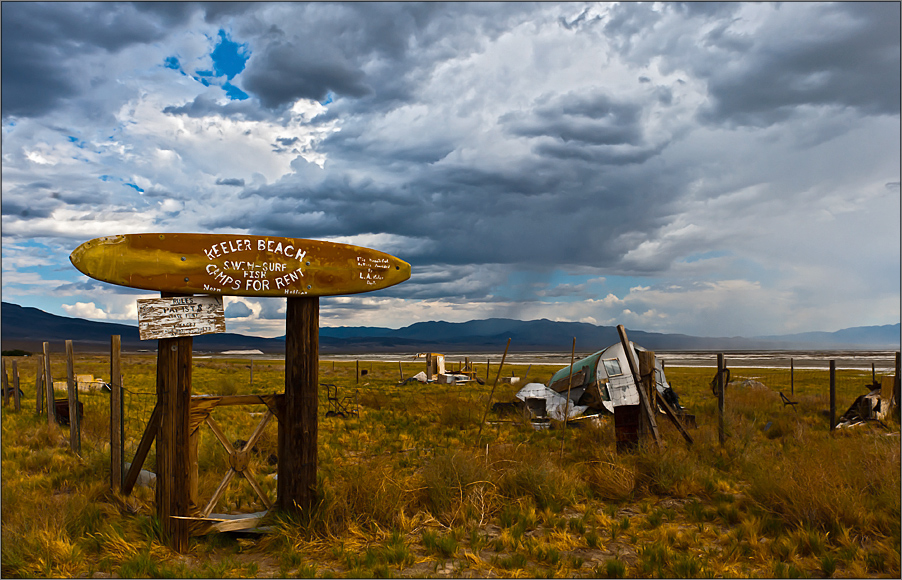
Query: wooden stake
{"points": [[400, 372], [116, 413], [296, 487], [489, 405], [48, 386], [832, 395], [721, 397], [567, 404], [74, 431], [18, 403]]}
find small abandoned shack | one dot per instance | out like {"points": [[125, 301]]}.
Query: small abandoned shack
{"points": [[600, 383]]}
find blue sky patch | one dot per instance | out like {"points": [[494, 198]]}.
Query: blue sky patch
{"points": [[234, 92], [229, 57], [138, 189]]}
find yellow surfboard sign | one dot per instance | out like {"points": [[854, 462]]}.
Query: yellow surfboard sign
{"points": [[237, 265]]}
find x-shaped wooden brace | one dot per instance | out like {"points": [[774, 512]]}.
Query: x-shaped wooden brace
{"points": [[239, 462]]}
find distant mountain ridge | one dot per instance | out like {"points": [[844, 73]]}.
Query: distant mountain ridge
{"points": [[26, 328]]}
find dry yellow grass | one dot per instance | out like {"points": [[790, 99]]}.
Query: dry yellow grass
{"points": [[782, 497]]}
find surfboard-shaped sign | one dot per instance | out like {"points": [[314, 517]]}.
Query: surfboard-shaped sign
{"points": [[237, 265]]}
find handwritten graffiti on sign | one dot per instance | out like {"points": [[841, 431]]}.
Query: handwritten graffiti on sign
{"points": [[180, 316], [238, 265]]}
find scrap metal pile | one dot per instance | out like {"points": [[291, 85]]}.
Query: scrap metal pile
{"points": [[596, 385]]}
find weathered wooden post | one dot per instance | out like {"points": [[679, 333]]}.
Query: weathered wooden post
{"points": [[237, 265], [646, 408], [721, 398], [5, 385], [298, 436], [116, 413], [647, 376], [832, 395], [48, 386], [72, 385], [174, 365], [17, 403], [792, 377]]}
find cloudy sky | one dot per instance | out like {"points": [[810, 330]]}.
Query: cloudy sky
{"points": [[708, 169]]}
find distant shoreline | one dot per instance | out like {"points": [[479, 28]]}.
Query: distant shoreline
{"points": [[883, 360]]}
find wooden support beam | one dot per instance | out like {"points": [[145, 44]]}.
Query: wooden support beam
{"points": [[147, 439], [671, 414], [174, 366], [297, 448]]}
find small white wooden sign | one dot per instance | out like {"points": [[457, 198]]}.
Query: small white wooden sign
{"points": [[180, 316]]}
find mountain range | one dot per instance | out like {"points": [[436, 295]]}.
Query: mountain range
{"points": [[26, 328]]}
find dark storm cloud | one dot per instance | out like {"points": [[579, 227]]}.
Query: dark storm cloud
{"points": [[41, 41], [377, 52], [858, 66], [589, 119], [233, 182], [204, 106], [285, 72]]}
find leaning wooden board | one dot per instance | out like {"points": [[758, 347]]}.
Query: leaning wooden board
{"points": [[237, 265]]}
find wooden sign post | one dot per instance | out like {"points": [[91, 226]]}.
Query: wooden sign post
{"points": [[180, 265]]}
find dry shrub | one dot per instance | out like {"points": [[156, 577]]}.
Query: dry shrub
{"points": [[609, 478], [673, 471], [538, 476], [457, 488], [370, 495]]}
